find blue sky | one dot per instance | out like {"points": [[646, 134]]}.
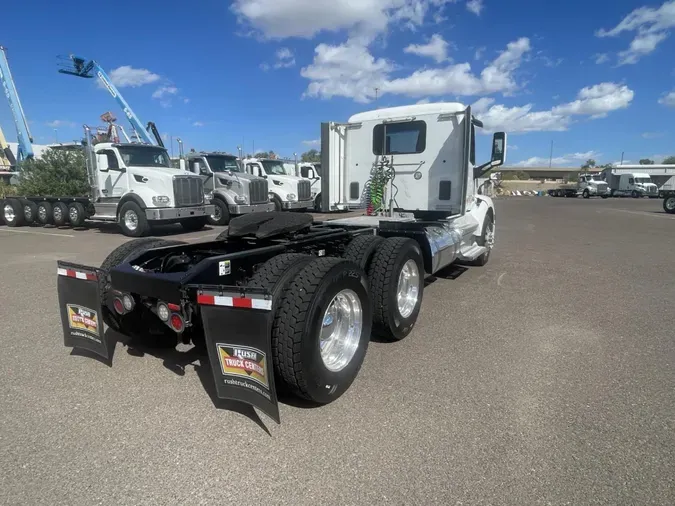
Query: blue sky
{"points": [[597, 78]]}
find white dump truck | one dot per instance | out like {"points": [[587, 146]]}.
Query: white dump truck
{"points": [[286, 191], [235, 192], [280, 300], [131, 184]]}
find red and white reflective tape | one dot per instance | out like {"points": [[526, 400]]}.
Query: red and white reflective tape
{"points": [[226, 300], [72, 273]]}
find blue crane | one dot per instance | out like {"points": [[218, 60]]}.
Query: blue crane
{"points": [[81, 67], [23, 135]]}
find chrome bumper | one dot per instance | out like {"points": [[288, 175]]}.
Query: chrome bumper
{"points": [[253, 208], [175, 213], [301, 204]]}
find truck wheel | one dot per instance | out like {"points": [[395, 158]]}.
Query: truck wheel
{"points": [[194, 224], [29, 210], [362, 248], [322, 329], [396, 276], [561, 193], [221, 215], [669, 204], [277, 203], [132, 220], [635, 194], [612, 193], [126, 324], [605, 196], [12, 212], [60, 214], [586, 195], [76, 214], [44, 213]]}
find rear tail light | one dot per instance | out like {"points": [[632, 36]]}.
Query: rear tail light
{"points": [[128, 302], [118, 305], [177, 322], [163, 312]]}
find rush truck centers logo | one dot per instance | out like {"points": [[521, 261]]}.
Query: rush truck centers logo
{"points": [[243, 361], [82, 318]]}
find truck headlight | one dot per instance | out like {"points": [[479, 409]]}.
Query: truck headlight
{"points": [[291, 196], [241, 199], [160, 199]]}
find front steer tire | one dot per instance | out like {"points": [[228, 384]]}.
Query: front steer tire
{"points": [[223, 213], [298, 322], [383, 273], [133, 211]]}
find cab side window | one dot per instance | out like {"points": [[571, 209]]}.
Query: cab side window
{"points": [[631, 181]]}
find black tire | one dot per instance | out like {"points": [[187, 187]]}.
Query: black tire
{"points": [[298, 322], [127, 324], [612, 193], [669, 204], [586, 195], [361, 249], [485, 257], [29, 211], [317, 203], [194, 224], [12, 212], [561, 193], [635, 194], [45, 214], [76, 214], [223, 213], [278, 206], [142, 225], [383, 274], [605, 196], [60, 214]]}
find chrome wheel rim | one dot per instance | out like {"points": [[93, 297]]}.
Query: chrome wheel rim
{"points": [[408, 290], [490, 236], [42, 213], [57, 213], [27, 213], [130, 220], [8, 212], [72, 212], [670, 203], [341, 329], [217, 214]]}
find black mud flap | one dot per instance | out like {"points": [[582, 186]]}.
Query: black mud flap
{"points": [[80, 306], [237, 330]]}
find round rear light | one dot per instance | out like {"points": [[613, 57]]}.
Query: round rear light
{"points": [[118, 305], [163, 312], [128, 302], [177, 322]]}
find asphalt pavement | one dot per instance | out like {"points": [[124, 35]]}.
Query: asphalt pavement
{"points": [[545, 377]]}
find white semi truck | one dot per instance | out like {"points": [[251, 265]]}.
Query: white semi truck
{"points": [[131, 184], [278, 298], [286, 191], [587, 186], [631, 184], [235, 192]]}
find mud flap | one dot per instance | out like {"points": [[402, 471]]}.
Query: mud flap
{"points": [[80, 306], [237, 330]]}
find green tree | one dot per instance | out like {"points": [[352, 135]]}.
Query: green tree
{"points": [[56, 172], [669, 161], [517, 175], [311, 156], [590, 164], [646, 161], [262, 154]]}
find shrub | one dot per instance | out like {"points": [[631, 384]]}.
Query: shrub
{"points": [[56, 172]]}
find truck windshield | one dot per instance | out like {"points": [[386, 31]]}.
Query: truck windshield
{"points": [[274, 167], [144, 156], [642, 180], [223, 163]]}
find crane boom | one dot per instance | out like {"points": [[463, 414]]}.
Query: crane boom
{"points": [[81, 67], [23, 135]]}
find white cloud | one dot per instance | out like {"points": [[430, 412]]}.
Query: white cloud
{"points": [[601, 58], [364, 19], [198, 124], [314, 142], [668, 99], [593, 101], [475, 6], [186, 100], [479, 52], [650, 25], [350, 70], [436, 48], [652, 135], [164, 91], [264, 66], [285, 58], [126, 75], [569, 159], [423, 101], [59, 123]]}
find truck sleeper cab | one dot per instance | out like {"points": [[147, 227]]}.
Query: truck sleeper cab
{"points": [[235, 192]]}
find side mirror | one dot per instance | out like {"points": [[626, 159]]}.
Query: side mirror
{"points": [[498, 148]]}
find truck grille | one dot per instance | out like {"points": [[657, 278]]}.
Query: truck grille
{"points": [[304, 190], [258, 191], [188, 191], [602, 187], [652, 190]]}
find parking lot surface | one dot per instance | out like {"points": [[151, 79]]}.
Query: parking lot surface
{"points": [[545, 377]]}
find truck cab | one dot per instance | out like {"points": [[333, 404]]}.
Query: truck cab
{"points": [[636, 185], [312, 171], [136, 183], [592, 185], [235, 192], [286, 191]]}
